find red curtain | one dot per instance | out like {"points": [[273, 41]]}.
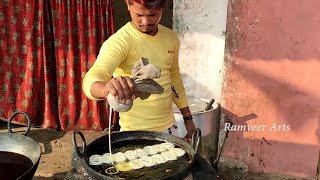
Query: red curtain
{"points": [[46, 47]]}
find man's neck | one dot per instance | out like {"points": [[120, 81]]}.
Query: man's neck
{"points": [[153, 33]]}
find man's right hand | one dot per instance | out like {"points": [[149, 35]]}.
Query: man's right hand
{"points": [[122, 88]]}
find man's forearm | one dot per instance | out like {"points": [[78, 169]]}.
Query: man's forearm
{"points": [[185, 111], [98, 90]]}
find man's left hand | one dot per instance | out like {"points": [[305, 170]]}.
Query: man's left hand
{"points": [[191, 128]]}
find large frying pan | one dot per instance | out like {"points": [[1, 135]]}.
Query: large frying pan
{"points": [[122, 141], [19, 154]]}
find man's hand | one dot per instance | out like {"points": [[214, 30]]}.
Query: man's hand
{"points": [[191, 128], [188, 122], [122, 88]]}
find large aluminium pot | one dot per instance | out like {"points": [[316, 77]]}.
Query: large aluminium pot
{"points": [[205, 117], [19, 154], [129, 140]]}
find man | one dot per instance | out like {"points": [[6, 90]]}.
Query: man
{"points": [[142, 37]]}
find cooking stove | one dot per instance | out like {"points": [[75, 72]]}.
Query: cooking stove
{"points": [[201, 170]]}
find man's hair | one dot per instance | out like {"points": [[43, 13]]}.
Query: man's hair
{"points": [[150, 4]]}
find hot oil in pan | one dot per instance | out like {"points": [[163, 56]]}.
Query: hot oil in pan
{"points": [[13, 165], [155, 172]]}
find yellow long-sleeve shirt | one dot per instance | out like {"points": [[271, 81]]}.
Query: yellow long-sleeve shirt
{"points": [[117, 57]]}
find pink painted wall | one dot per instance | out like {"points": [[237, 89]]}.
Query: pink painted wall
{"points": [[272, 77]]}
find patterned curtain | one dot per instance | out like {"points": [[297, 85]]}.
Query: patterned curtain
{"points": [[46, 47]]}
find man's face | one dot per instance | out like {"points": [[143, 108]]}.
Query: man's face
{"points": [[145, 20]]}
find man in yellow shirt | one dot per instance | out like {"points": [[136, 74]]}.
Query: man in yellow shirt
{"points": [[142, 37]]}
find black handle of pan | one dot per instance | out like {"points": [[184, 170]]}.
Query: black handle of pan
{"points": [[209, 105], [11, 118], [75, 145], [196, 139]]}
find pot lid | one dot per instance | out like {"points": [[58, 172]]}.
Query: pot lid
{"points": [[195, 105]]}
